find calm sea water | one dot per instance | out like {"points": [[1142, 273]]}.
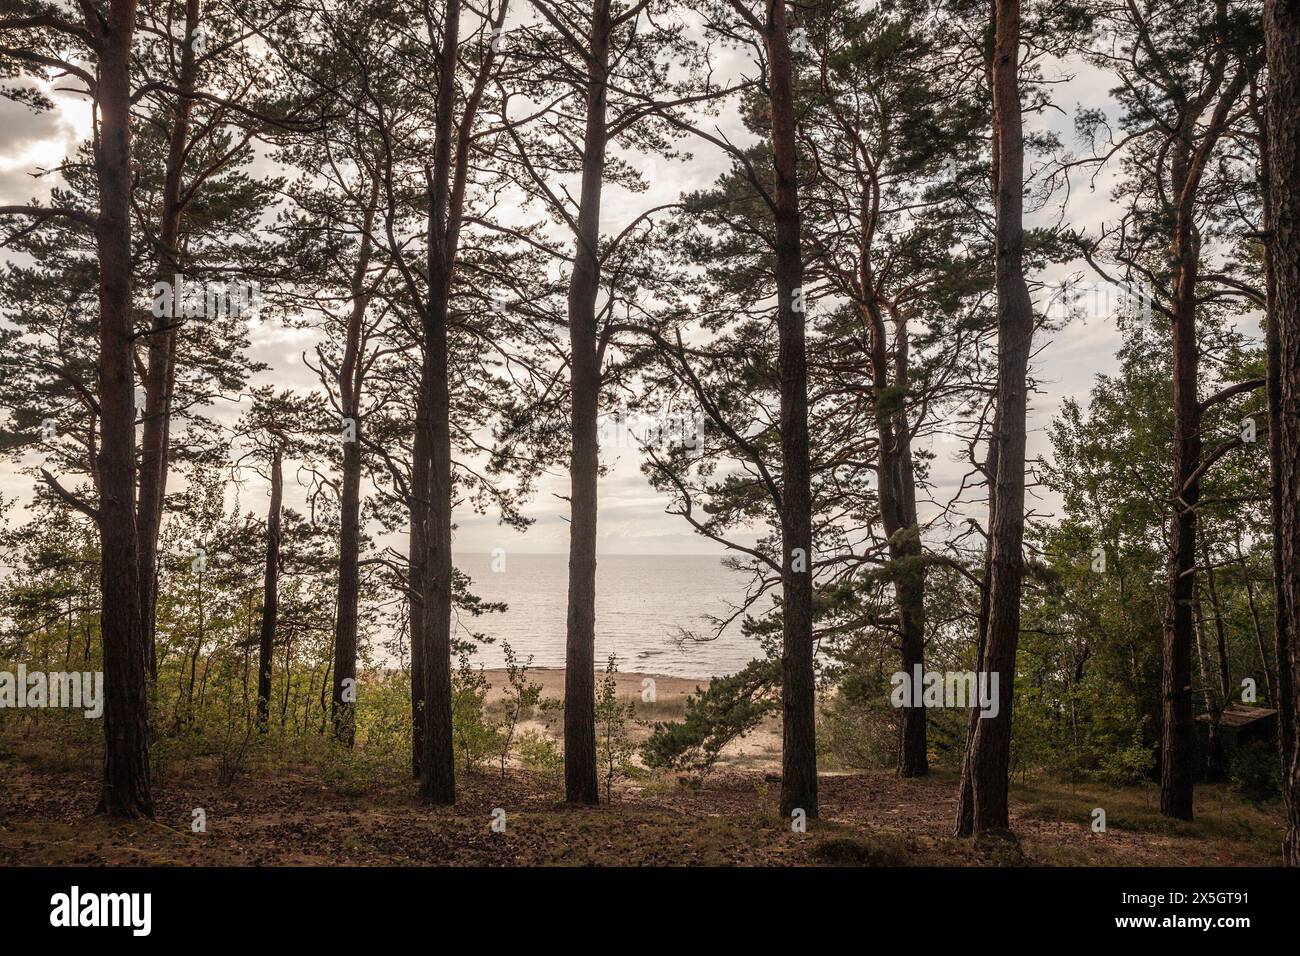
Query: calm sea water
{"points": [[641, 602]]}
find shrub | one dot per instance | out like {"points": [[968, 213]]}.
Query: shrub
{"points": [[727, 709], [541, 753], [614, 748], [476, 737]]}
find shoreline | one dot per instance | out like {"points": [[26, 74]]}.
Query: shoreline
{"points": [[628, 683]]}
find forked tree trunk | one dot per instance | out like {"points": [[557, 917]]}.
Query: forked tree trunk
{"points": [[897, 491], [1282, 38], [160, 374], [270, 591], [798, 690], [580, 783], [965, 824], [991, 747], [431, 569], [126, 791]]}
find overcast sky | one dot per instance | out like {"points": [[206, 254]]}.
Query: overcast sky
{"points": [[631, 518]]}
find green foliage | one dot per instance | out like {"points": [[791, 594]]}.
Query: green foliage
{"points": [[856, 734], [614, 747], [521, 696], [728, 709], [1087, 699], [475, 734], [541, 753]]}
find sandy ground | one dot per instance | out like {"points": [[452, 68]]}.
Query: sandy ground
{"points": [[628, 684], [758, 750]]}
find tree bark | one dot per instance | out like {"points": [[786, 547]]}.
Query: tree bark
{"points": [[270, 591], [798, 689], [580, 783], [897, 493], [1282, 39], [351, 373], [991, 748], [1177, 740], [965, 824], [160, 374], [438, 758], [126, 791], [416, 561]]}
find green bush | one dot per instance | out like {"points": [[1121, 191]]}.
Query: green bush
{"points": [[727, 709], [541, 753]]}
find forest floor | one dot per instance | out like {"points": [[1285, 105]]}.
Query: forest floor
{"points": [[285, 809]]}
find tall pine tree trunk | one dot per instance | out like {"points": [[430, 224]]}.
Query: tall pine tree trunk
{"points": [[343, 709], [270, 591], [1282, 38], [416, 560], [1177, 743], [438, 758], [965, 823], [160, 374], [798, 690], [580, 784], [991, 747], [351, 372], [126, 791]]}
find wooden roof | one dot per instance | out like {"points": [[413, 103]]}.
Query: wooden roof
{"points": [[1238, 716]]}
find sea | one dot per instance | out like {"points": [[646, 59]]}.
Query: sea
{"points": [[643, 605]]}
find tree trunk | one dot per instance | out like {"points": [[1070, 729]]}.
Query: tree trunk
{"points": [[438, 756], [897, 491], [416, 561], [965, 825], [126, 791], [270, 592], [1177, 746], [580, 784], [1216, 763], [991, 748], [343, 711], [1282, 38], [798, 690], [351, 372], [160, 374]]}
